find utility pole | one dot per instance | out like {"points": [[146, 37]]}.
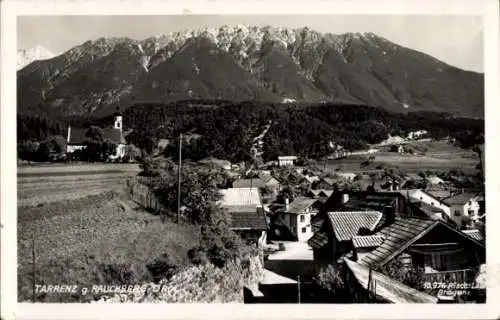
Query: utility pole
{"points": [[298, 289], [179, 180]]}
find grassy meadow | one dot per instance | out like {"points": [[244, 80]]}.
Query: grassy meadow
{"points": [[85, 231], [433, 156]]}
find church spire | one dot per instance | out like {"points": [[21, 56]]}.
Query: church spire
{"points": [[118, 119]]}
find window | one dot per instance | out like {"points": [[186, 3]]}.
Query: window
{"points": [[457, 213], [302, 218], [304, 230]]}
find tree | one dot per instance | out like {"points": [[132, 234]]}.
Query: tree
{"points": [[199, 188], [329, 278], [27, 149], [56, 143], [43, 152]]}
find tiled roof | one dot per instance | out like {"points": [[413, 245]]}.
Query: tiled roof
{"points": [[300, 204], [240, 197], [249, 183], [367, 241], [114, 135], [397, 234], [311, 179], [373, 202], [247, 219], [428, 209], [474, 234], [318, 240], [78, 135], [387, 288], [325, 193], [255, 182], [330, 181], [438, 194], [346, 224], [459, 199]]}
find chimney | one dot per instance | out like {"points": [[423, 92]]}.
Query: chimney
{"points": [[69, 133], [390, 215]]}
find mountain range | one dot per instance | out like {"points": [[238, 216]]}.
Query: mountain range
{"points": [[27, 56], [246, 63]]}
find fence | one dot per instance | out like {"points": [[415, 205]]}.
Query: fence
{"points": [[142, 195]]}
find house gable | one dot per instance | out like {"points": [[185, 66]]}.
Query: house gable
{"points": [[405, 232]]}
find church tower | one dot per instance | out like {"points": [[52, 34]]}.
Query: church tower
{"points": [[118, 119]]}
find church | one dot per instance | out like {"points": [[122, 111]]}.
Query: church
{"points": [[77, 136]]}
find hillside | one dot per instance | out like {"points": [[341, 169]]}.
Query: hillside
{"points": [[246, 63]]}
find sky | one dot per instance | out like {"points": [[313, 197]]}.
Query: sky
{"points": [[456, 40]]}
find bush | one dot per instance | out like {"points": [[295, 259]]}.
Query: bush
{"points": [[116, 273], [329, 278], [163, 267]]}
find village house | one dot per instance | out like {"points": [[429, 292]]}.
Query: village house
{"points": [[224, 164], [296, 216], [414, 135], [324, 184], [286, 160], [346, 176], [463, 206], [441, 253], [263, 181], [319, 194], [246, 214], [334, 237], [421, 198], [77, 137]]}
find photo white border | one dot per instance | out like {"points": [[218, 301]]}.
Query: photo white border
{"points": [[10, 309]]}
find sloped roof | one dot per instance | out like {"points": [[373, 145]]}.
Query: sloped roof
{"points": [[300, 204], [402, 233], [246, 218], [255, 182], [397, 234], [311, 179], [114, 135], [373, 202], [249, 183], [240, 197], [459, 199], [475, 234], [78, 135], [387, 288], [346, 224], [318, 240], [438, 194], [367, 241], [330, 181], [270, 277], [325, 193]]}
